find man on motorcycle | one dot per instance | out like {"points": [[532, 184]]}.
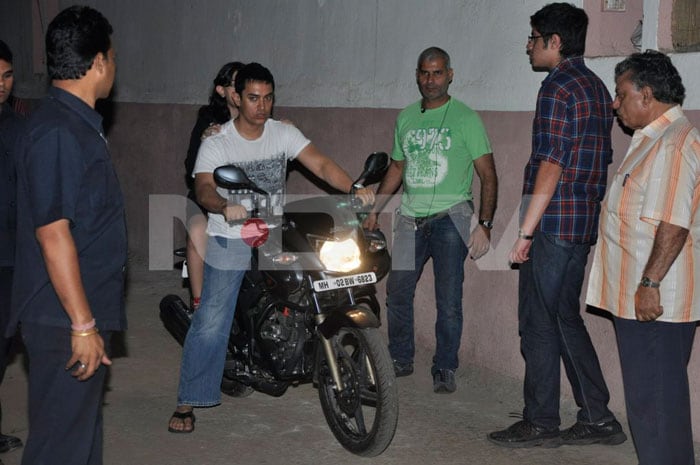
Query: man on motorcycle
{"points": [[261, 147]]}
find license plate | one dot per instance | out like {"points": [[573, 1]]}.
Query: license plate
{"points": [[343, 282]]}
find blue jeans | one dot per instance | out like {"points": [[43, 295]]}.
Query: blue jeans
{"points": [[551, 328], [654, 359], [204, 351], [445, 240]]}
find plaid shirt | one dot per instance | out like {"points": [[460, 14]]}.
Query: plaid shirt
{"points": [[572, 125]]}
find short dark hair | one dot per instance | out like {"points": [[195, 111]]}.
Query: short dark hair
{"points": [[73, 40], [654, 70], [431, 53], [253, 72], [567, 21], [5, 52]]}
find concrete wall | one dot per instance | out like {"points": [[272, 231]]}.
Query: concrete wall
{"points": [[343, 69]]}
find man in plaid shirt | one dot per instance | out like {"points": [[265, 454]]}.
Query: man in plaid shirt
{"points": [[565, 182]]}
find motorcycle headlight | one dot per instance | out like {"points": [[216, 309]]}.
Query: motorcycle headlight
{"points": [[340, 256]]}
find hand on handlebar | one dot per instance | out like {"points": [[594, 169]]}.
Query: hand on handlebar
{"points": [[370, 222], [235, 213], [366, 195]]}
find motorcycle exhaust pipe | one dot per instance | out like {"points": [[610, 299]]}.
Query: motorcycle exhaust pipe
{"points": [[176, 317]]}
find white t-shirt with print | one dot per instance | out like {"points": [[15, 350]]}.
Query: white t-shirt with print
{"points": [[264, 161]]}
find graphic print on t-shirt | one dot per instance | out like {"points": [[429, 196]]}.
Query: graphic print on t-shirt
{"points": [[426, 161], [269, 175]]}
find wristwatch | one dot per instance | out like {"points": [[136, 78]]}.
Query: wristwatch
{"points": [[356, 187], [646, 282], [488, 224], [527, 237]]}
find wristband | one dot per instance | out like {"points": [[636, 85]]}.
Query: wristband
{"points": [[84, 327]]}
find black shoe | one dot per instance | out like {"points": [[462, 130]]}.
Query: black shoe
{"points": [[8, 443], [608, 433], [444, 382], [525, 434], [402, 369]]}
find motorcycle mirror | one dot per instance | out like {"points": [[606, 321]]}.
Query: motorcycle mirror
{"points": [[375, 166], [233, 178]]}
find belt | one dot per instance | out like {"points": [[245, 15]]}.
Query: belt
{"points": [[421, 220]]}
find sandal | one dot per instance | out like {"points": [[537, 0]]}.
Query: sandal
{"points": [[182, 416]]}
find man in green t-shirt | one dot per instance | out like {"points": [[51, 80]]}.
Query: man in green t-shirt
{"points": [[438, 143]]}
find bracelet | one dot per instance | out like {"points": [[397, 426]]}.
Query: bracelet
{"points": [[522, 235], [84, 327], [89, 332]]}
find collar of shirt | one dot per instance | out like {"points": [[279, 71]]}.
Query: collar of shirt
{"points": [[563, 65], [77, 105], [656, 128], [5, 110]]}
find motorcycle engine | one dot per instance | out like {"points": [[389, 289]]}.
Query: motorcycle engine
{"points": [[282, 336]]}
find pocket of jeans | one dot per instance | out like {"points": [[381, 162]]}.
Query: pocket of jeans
{"points": [[403, 223], [462, 210]]}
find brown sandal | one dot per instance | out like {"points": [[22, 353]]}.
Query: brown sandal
{"points": [[182, 416]]}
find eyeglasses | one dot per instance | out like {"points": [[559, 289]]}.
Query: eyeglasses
{"points": [[532, 39]]}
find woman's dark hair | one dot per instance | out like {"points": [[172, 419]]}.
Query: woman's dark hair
{"points": [[73, 40], [217, 107], [654, 70], [567, 21]]}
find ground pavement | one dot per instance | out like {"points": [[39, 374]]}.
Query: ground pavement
{"points": [[432, 429]]}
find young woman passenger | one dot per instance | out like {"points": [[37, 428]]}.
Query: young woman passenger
{"points": [[209, 120]]}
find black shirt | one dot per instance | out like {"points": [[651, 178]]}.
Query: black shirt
{"points": [[64, 171], [10, 129]]}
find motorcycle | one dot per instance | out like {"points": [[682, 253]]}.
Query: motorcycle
{"points": [[307, 310]]}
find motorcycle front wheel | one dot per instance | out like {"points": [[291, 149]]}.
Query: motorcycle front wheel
{"points": [[363, 413]]}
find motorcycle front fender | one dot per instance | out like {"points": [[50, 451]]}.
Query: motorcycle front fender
{"points": [[353, 317]]}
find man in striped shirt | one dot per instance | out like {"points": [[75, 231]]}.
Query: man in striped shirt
{"points": [[646, 269]]}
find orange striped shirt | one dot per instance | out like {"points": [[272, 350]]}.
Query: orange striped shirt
{"points": [[659, 180]]}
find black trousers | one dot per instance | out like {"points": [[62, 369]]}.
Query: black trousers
{"points": [[65, 415], [654, 358], [5, 292]]}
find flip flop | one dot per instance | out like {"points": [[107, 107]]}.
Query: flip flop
{"points": [[182, 416]]}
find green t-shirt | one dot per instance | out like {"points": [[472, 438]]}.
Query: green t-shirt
{"points": [[439, 147]]}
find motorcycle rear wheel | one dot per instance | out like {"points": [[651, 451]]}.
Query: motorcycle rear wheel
{"points": [[364, 414]]}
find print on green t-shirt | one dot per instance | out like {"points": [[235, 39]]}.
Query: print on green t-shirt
{"points": [[439, 147]]}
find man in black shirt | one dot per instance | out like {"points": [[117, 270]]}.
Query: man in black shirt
{"points": [[10, 127], [71, 245]]}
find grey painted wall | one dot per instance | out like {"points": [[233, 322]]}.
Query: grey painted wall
{"points": [[323, 53]]}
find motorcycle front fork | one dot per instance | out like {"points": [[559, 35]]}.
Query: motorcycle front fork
{"points": [[327, 346]]}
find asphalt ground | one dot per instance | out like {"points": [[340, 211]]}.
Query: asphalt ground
{"points": [[259, 429]]}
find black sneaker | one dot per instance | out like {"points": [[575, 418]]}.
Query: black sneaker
{"points": [[525, 434], [7, 443], [444, 382], [402, 369], [608, 433]]}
